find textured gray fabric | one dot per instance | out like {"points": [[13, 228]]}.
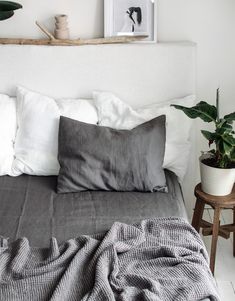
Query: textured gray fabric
{"points": [[94, 157], [30, 207], [161, 260]]}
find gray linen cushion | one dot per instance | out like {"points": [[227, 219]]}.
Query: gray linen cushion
{"points": [[94, 157]]}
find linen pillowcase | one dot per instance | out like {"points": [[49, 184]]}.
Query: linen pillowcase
{"points": [[7, 133], [79, 109], [36, 146], [115, 113], [100, 158]]}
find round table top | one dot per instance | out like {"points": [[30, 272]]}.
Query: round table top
{"points": [[216, 200]]}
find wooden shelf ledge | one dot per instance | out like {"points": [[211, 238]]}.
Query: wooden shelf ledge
{"points": [[78, 42]]}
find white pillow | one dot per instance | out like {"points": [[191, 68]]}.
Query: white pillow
{"points": [[115, 113], [79, 109], [36, 146], [7, 133]]}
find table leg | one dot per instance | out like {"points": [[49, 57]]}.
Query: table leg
{"points": [[197, 215], [215, 232]]}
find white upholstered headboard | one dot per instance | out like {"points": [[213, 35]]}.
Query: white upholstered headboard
{"points": [[139, 73]]}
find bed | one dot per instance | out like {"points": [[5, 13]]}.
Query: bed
{"points": [[29, 205]]}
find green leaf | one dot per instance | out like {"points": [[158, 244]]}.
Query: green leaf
{"points": [[208, 135], [227, 148], [224, 161], [232, 156], [223, 123], [229, 139], [203, 110], [220, 146], [230, 117], [9, 6], [227, 127], [223, 136], [5, 15], [224, 129]]}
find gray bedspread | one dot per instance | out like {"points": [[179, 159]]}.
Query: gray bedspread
{"points": [[30, 207], [161, 260]]}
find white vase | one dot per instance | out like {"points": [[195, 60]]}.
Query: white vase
{"points": [[216, 181]]}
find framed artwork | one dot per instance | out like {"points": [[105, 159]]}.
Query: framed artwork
{"points": [[130, 17]]}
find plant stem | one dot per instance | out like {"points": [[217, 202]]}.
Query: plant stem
{"points": [[217, 103]]}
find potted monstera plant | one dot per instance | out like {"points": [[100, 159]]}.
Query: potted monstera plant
{"points": [[217, 166], [7, 9]]}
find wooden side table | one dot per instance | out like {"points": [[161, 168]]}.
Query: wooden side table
{"points": [[217, 203]]}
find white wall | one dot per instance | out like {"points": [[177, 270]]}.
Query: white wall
{"points": [[209, 23], [85, 18]]}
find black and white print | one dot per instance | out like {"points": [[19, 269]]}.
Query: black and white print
{"points": [[130, 17]]}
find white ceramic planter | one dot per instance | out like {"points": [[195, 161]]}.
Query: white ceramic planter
{"points": [[216, 181]]}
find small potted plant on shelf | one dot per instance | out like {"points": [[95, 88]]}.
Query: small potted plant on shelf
{"points": [[7, 9], [217, 166]]}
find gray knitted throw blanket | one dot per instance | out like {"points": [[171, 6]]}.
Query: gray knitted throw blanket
{"points": [[161, 259]]}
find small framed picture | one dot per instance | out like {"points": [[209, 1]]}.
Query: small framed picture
{"points": [[130, 17]]}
